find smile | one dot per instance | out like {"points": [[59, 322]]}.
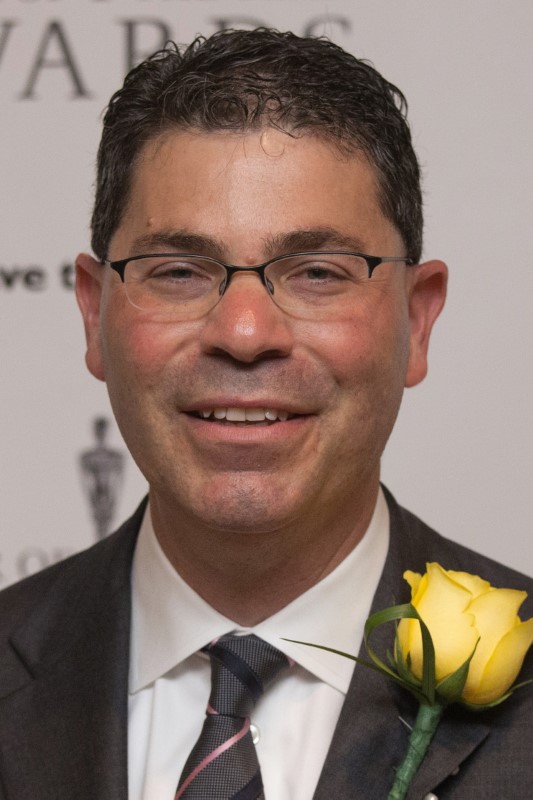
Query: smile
{"points": [[246, 416]]}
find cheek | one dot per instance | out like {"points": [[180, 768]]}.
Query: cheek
{"points": [[148, 351], [142, 361], [138, 351], [357, 351], [367, 359]]}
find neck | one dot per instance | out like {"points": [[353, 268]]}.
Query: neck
{"points": [[249, 576]]}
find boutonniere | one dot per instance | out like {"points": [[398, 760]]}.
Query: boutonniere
{"points": [[459, 640]]}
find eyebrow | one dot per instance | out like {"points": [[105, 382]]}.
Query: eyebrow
{"points": [[177, 241], [321, 238]]}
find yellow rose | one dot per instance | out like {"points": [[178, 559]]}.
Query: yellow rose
{"points": [[462, 610]]}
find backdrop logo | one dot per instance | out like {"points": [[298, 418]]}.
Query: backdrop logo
{"points": [[102, 470], [54, 60], [34, 277]]}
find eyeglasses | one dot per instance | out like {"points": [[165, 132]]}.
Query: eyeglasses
{"points": [[319, 284]]}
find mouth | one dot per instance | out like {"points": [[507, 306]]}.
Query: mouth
{"points": [[243, 417]]}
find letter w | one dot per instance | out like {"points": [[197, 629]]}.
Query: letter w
{"points": [[5, 31]]}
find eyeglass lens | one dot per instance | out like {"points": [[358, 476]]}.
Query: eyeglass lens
{"points": [[190, 286]]}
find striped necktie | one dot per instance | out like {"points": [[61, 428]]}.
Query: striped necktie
{"points": [[223, 764]]}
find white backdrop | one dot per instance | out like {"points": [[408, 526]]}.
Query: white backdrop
{"points": [[462, 453]]}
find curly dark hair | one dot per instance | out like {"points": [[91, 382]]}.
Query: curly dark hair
{"points": [[245, 80]]}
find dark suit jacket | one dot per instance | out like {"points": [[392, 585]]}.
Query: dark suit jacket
{"points": [[64, 638]]}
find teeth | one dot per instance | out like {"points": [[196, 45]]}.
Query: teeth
{"points": [[245, 414], [254, 414], [236, 415]]}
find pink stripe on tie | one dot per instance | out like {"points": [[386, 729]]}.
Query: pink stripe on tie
{"points": [[211, 757]]}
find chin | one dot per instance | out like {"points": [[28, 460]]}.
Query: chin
{"points": [[244, 509]]}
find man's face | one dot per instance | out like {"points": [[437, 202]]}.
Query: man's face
{"points": [[339, 381]]}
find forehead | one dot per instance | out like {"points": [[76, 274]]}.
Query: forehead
{"points": [[257, 185]]}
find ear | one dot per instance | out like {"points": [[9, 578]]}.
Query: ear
{"points": [[89, 281], [427, 294]]}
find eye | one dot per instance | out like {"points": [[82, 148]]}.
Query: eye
{"points": [[314, 274], [321, 271], [179, 271], [184, 278]]}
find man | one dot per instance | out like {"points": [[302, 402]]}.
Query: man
{"points": [[256, 305]]}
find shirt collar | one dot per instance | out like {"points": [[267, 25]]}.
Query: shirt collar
{"points": [[170, 621]]}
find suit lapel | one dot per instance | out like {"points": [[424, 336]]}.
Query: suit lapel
{"points": [[64, 716], [370, 740]]}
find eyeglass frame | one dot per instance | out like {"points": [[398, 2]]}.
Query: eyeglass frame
{"points": [[372, 262]]}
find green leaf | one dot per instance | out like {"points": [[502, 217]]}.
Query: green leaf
{"points": [[520, 685], [485, 706], [404, 668], [426, 694], [451, 687], [506, 696], [399, 672], [374, 666], [332, 650]]}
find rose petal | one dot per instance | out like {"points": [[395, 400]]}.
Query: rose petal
{"points": [[413, 579], [495, 614], [442, 607], [407, 628], [408, 632], [473, 583], [504, 666]]}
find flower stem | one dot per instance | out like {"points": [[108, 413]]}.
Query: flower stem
{"points": [[426, 723]]}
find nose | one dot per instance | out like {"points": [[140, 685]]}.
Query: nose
{"points": [[246, 324]]}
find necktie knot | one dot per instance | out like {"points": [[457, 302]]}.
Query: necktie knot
{"points": [[241, 669]]}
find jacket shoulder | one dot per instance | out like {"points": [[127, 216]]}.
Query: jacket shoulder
{"points": [[415, 543], [73, 579]]}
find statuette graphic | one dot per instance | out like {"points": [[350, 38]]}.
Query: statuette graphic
{"points": [[102, 470]]}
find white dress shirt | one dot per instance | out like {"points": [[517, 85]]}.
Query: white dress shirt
{"points": [[170, 680]]}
